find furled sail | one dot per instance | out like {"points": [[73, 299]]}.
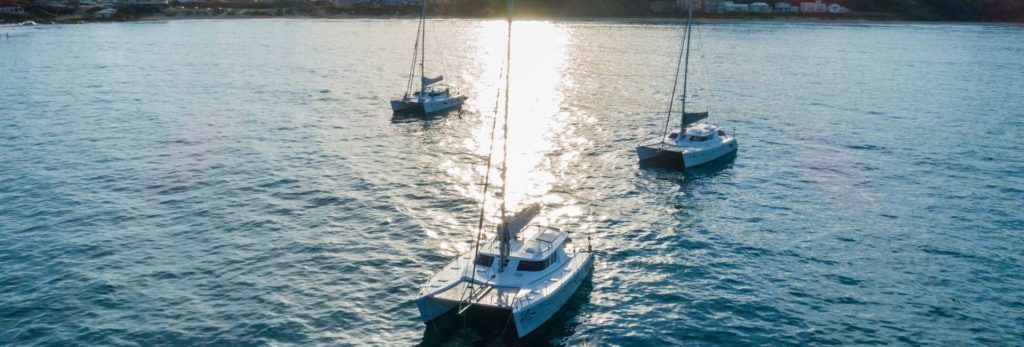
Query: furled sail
{"points": [[690, 118], [431, 80], [517, 222]]}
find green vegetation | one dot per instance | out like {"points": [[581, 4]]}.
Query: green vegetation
{"points": [[956, 10]]}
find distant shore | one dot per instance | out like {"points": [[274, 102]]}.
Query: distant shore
{"points": [[632, 20], [293, 13]]}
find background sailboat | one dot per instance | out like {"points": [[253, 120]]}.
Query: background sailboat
{"points": [[432, 95], [695, 143]]}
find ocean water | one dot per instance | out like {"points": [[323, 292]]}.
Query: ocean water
{"points": [[242, 182]]}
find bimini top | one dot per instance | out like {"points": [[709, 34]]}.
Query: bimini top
{"points": [[537, 242], [701, 129]]}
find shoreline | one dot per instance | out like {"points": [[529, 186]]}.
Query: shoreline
{"points": [[620, 20]]}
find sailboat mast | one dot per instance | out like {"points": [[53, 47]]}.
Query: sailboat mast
{"points": [[505, 235], [686, 68], [423, 45]]}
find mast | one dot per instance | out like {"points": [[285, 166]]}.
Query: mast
{"points": [[686, 69], [504, 234], [423, 46], [415, 59], [675, 82]]}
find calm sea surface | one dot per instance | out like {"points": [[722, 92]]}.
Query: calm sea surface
{"points": [[241, 182]]}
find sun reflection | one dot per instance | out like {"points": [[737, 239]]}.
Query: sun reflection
{"points": [[537, 75]]}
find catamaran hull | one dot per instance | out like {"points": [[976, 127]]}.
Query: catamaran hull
{"points": [[430, 307], [704, 156], [431, 106], [653, 154], [441, 105], [529, 318], [398, 106]]}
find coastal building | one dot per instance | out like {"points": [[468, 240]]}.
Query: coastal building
{"points": [[102, 3], [813, 7], [731, 7], [105, 13], [141, 3], [837, 9], [11, 10], [714, 6], [785, 8], [760, 7], [59, 4]]}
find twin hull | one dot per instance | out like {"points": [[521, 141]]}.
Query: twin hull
{"points": [[675, 156], [426, 106], [527, 316]]}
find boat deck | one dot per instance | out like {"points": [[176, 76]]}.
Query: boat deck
{"points": [[500, 297]]}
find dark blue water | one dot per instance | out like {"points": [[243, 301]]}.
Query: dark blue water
{"points": [[241, 182]]}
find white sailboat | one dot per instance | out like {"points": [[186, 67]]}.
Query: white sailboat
{"points": [[526, 272], [433, 95], [695, 143]]}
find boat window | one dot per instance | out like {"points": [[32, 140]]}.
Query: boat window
{"points": [[484, 260], [527, 265], [721, 133], [673, 135], [698, 138]]}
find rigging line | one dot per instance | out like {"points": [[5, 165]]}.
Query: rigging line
{"points": [[704, 62], [487, 180], [686, 69], [675, 83], [415, 52], [504, 143], [423, 54], [441, 57]]}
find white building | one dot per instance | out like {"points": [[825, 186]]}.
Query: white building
{"points": [[105, 13], [837, 9], [785, 7], [731, 7], [760, 7], [813, 7]]}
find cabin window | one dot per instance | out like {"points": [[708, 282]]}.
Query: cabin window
{"points": [[673, 136], [698, 138], [484, 260], [527, 265], [721, 133]]}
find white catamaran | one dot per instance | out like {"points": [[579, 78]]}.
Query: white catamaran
{"points": [[525, 272], [433, 96], [694, 144]]}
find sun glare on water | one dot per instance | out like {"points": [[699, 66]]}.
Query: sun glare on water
{"points": [[537, 79]]}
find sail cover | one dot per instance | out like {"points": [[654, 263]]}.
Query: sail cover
{"points": [[690, 118], [517, 222], [431, 80]]}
